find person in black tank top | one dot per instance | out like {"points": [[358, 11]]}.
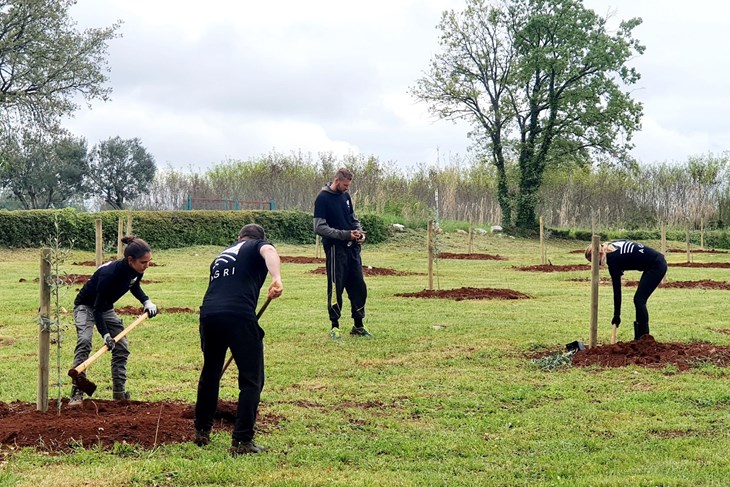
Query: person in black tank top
{"points": [[625, 255], [228, 320]]}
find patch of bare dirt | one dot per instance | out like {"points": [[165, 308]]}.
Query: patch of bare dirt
{"points": [[301, 260], [701, 284], [146, 424], [553, 268], [467, 293], [718, 265], [92, 263], [449, 255], [137, 310], [372, 271], [649, 353], [698, 251]]}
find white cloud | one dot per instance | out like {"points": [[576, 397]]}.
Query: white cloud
{"points": [[200, 83]]}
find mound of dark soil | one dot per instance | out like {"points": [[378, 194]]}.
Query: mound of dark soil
{"points": [[92, 263], [698, 251], [137, 310], [702, 284], [553, 268], [301, 260], [467, 293], [371, 271], [146, 424], [448, 255], [718, 265], [649, 353]]}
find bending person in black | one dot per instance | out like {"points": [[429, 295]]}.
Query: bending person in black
{"points": [[94, 304], [342, 236], [625, 255], [228, 320]]}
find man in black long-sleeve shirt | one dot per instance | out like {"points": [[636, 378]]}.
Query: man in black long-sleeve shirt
{"points": [[94, 304], [342, 236], [625, 255]]}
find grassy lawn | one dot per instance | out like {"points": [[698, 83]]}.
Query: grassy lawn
{"points": [[445, 394]]}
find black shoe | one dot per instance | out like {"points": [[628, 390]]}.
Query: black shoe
{"points": [[77, 397], [121, 395], [202, 437], [245, 447], [360, 331]]}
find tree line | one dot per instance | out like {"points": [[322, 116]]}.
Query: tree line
{"points": [[639, 196]]}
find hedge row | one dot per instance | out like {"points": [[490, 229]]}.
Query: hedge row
{"points": [[714, 239], [161, 229]]}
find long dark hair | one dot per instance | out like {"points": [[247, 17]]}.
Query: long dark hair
{"points": [[135, 247]]}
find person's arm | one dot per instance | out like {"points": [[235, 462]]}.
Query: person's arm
{"points": [[101, 304], [273, 264], [323, 230], [136, 290]]}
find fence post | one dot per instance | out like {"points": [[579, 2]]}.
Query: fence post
{"points": [[120, 235], [471, 238], [430, 255], [702, 233], [543, 255], [99, 243], [44, 336], [129, 223], [686, 238], [595, 279], [190, 203], [272, 204], [664, 245]]}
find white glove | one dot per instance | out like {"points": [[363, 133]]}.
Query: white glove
{"points": [[109, 341], [150, 308]]}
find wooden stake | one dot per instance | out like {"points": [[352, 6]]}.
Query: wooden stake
{"points": [[317, 246], [471, 238], [543, 255], [99, 244], [686, 233], [129, 223], [664, 245], [595, 259], [120, 235], [44, 336], [702, 233], [430, 254]]}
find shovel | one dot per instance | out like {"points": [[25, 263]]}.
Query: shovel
{"points": [[84, 384], [258, 315]]}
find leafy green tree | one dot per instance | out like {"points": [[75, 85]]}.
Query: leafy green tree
{"points": [[46, 63], [542, 83], [120, 170], [43, 172]]}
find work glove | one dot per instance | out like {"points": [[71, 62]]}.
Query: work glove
{"points": [[110, 343], [150, 308], [616, 321]]}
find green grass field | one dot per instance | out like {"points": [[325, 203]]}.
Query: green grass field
{"points": [[445, 394]]}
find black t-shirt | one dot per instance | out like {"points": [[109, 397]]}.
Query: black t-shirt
{"points": [[630, 256], [336, 209], [236, 277], [109, 282]]}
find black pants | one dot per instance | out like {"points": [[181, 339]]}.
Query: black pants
{"points": [[649, 281], [245, 339], [344, 272]]}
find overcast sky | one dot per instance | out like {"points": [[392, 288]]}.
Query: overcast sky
{"points": [[203, 82]]}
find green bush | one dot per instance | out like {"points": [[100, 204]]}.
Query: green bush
{"points": [[162, 229]]}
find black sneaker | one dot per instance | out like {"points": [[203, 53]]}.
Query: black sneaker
{"points": [[245, 447], [202, 437], [121, 395], [360, 331]]}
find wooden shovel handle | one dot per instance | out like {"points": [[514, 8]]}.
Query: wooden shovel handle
{"points": [[85, 365], [613, 334], [258, 315]]}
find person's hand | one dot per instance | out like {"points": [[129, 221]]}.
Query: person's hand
{"points": [[616, 321], [275, 289], [355, 235], [109, 341], [362, 238], [150, 308]]}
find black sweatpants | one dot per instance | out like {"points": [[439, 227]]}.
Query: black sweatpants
{"points": [[245, 339], [649, 281], [344, 272]]}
